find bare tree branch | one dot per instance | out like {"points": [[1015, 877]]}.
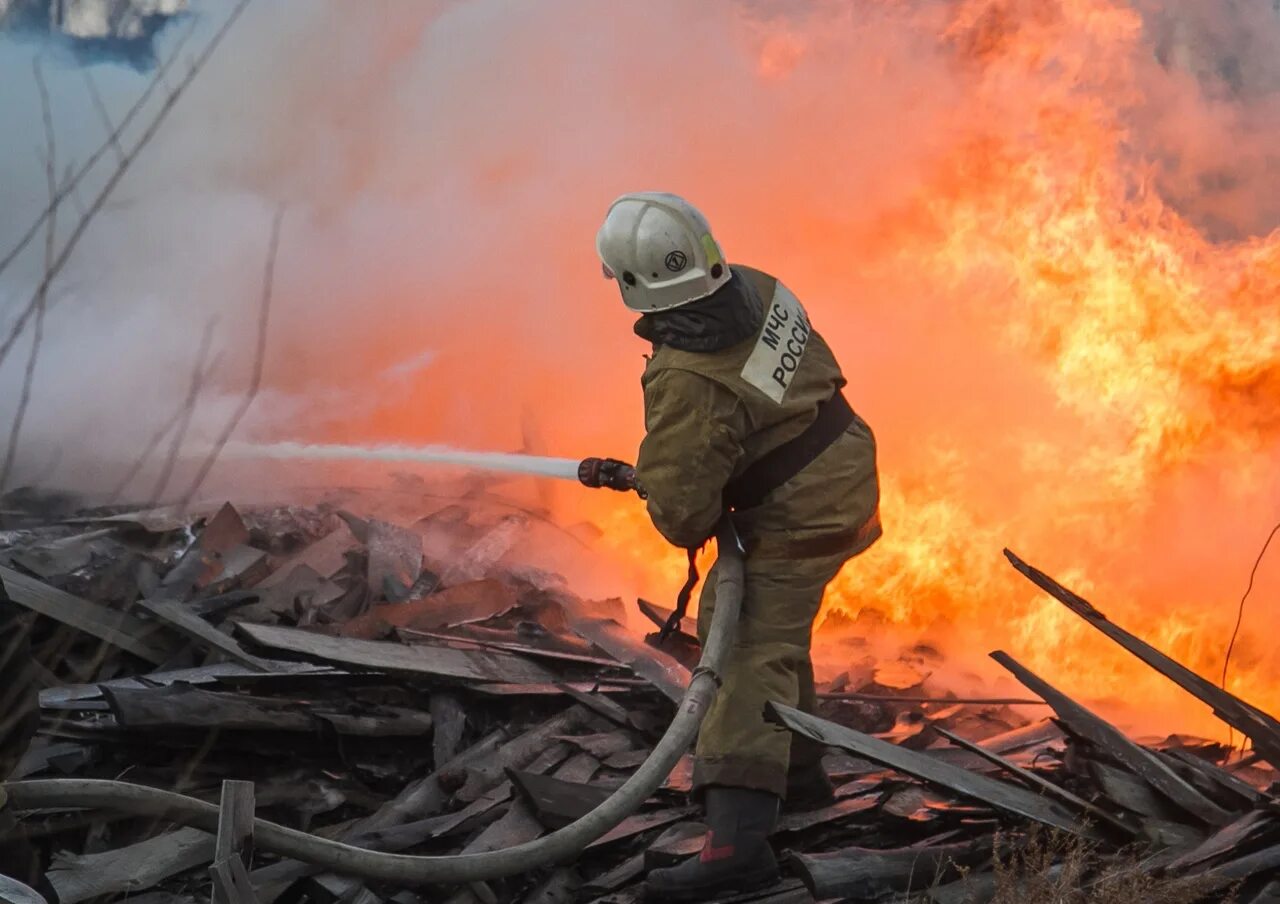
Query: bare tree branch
{"points": [[198, 376], [260, 355], [51, 234], [184, 415], [96, 206], [75, 193], [112, 140], [113, 134]]}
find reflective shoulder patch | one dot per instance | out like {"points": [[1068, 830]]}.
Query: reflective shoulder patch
{"points": [[781, 345]]}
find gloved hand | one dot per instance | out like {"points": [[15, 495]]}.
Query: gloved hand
{"points": [[610, 473]]}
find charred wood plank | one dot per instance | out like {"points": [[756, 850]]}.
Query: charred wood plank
{"points": [[419, 799], [1008, 798], [920, 805], [473, 601], [483, 768], [486, 771], [628, 759], [600, 704], [440, 662], [61, 557], [841, 809], [551, 689], [657, 667], [1106, 736], [64, 697], [561, 887], [789, 891], [302, 591], [326, 557], [660, 614], [580, 767], [675, 843], [216, 607], [233, 849], [187, 707], [406, 835], [524, 649], [1240, 793], [395, 559], [1263, 862], [516, 826], [1268, 894], [1229, 838], [1039, 782], [235, 822], [681, 778], [1263, 729], [642, 822], [240, 566], [196, 629], [546, 638], [116, 628], [554, 801], [601, 745], [429, 795], [1129, 792], [450, 720], [202, 563], [1036, 735], [134, 868], [614, 878], [865, 874], [1166, 833]]}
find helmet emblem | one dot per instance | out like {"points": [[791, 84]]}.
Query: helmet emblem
{"points": [[676, 261]]}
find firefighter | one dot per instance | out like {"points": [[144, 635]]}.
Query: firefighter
{"points": [[744, 411]]}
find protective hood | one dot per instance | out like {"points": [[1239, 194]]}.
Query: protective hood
{"points": [[728, 316]]}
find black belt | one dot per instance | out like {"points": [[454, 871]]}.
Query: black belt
{"points": [[776, 467]]}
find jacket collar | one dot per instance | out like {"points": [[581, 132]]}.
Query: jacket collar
{"points": [[728, 316]]}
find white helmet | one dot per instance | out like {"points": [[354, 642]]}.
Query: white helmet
{"points": [[660, 250]]}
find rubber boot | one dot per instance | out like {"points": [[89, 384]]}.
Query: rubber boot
{"points": [[735, 857]]}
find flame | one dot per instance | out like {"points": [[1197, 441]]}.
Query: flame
{"points": [[984, 205], [1158, 345]]}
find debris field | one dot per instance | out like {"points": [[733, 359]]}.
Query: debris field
{"points": [[361, 680]]}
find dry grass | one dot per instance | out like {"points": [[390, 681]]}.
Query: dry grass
{"points": [[1043, 867], [1055, 868]]}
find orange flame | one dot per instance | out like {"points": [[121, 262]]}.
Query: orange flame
{"points": [[975, 201], [1159, 350]]}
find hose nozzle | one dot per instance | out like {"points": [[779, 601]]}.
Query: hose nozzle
{"points": [[609, 473]]}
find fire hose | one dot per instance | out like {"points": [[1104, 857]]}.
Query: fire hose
{"points": [[557, 847]]}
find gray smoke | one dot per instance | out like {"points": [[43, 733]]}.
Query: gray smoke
{"points": [[443, 167]]}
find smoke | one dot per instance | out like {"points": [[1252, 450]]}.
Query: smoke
{"points": [[444, 169], [1037, 236]]}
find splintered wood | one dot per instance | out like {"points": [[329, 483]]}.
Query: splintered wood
{"points": [[403, 684]]}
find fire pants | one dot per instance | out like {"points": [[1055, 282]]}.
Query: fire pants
{"points": [[769, 661]]}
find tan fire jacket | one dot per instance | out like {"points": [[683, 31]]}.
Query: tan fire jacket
{"points": [[709, 415]]}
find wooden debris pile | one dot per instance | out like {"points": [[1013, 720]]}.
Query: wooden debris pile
{"points": [[335, 674]]}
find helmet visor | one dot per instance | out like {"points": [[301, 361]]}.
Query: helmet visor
{"points": [[608, 274]]}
